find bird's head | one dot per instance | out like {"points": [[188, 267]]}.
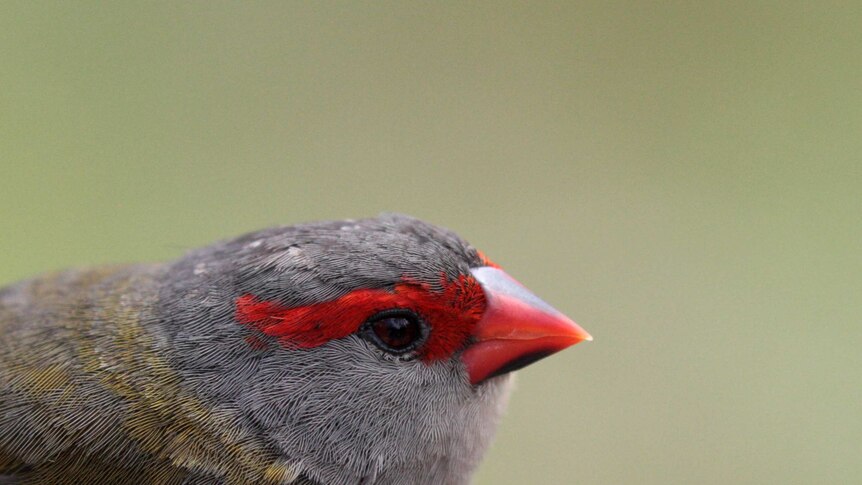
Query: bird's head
{"points": [[374, 349]]}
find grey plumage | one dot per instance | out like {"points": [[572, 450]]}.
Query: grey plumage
{"points": [[141, 374]]}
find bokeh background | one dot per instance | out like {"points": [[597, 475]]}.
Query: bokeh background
{"points": [[682, 178]]}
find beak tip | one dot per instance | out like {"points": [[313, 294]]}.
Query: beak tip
{"points": [[578, 332]]}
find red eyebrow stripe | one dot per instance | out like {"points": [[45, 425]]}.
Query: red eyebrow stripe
{"points": [[486, 261], [451, 313], [314, 325]]}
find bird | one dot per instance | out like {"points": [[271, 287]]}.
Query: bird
{"points": [[360, 351]]}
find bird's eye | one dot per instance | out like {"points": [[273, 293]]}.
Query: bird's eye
{"points": [[396, 331]]}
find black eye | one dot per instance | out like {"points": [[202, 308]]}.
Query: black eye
{"points": [[396, 331]]}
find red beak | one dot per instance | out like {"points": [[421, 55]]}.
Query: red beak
{"points": [[516, 329]]}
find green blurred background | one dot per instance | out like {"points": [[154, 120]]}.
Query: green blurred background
{"points": [[682, 178]]}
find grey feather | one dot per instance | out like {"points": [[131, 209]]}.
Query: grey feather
{"points": [[113, 366]]}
